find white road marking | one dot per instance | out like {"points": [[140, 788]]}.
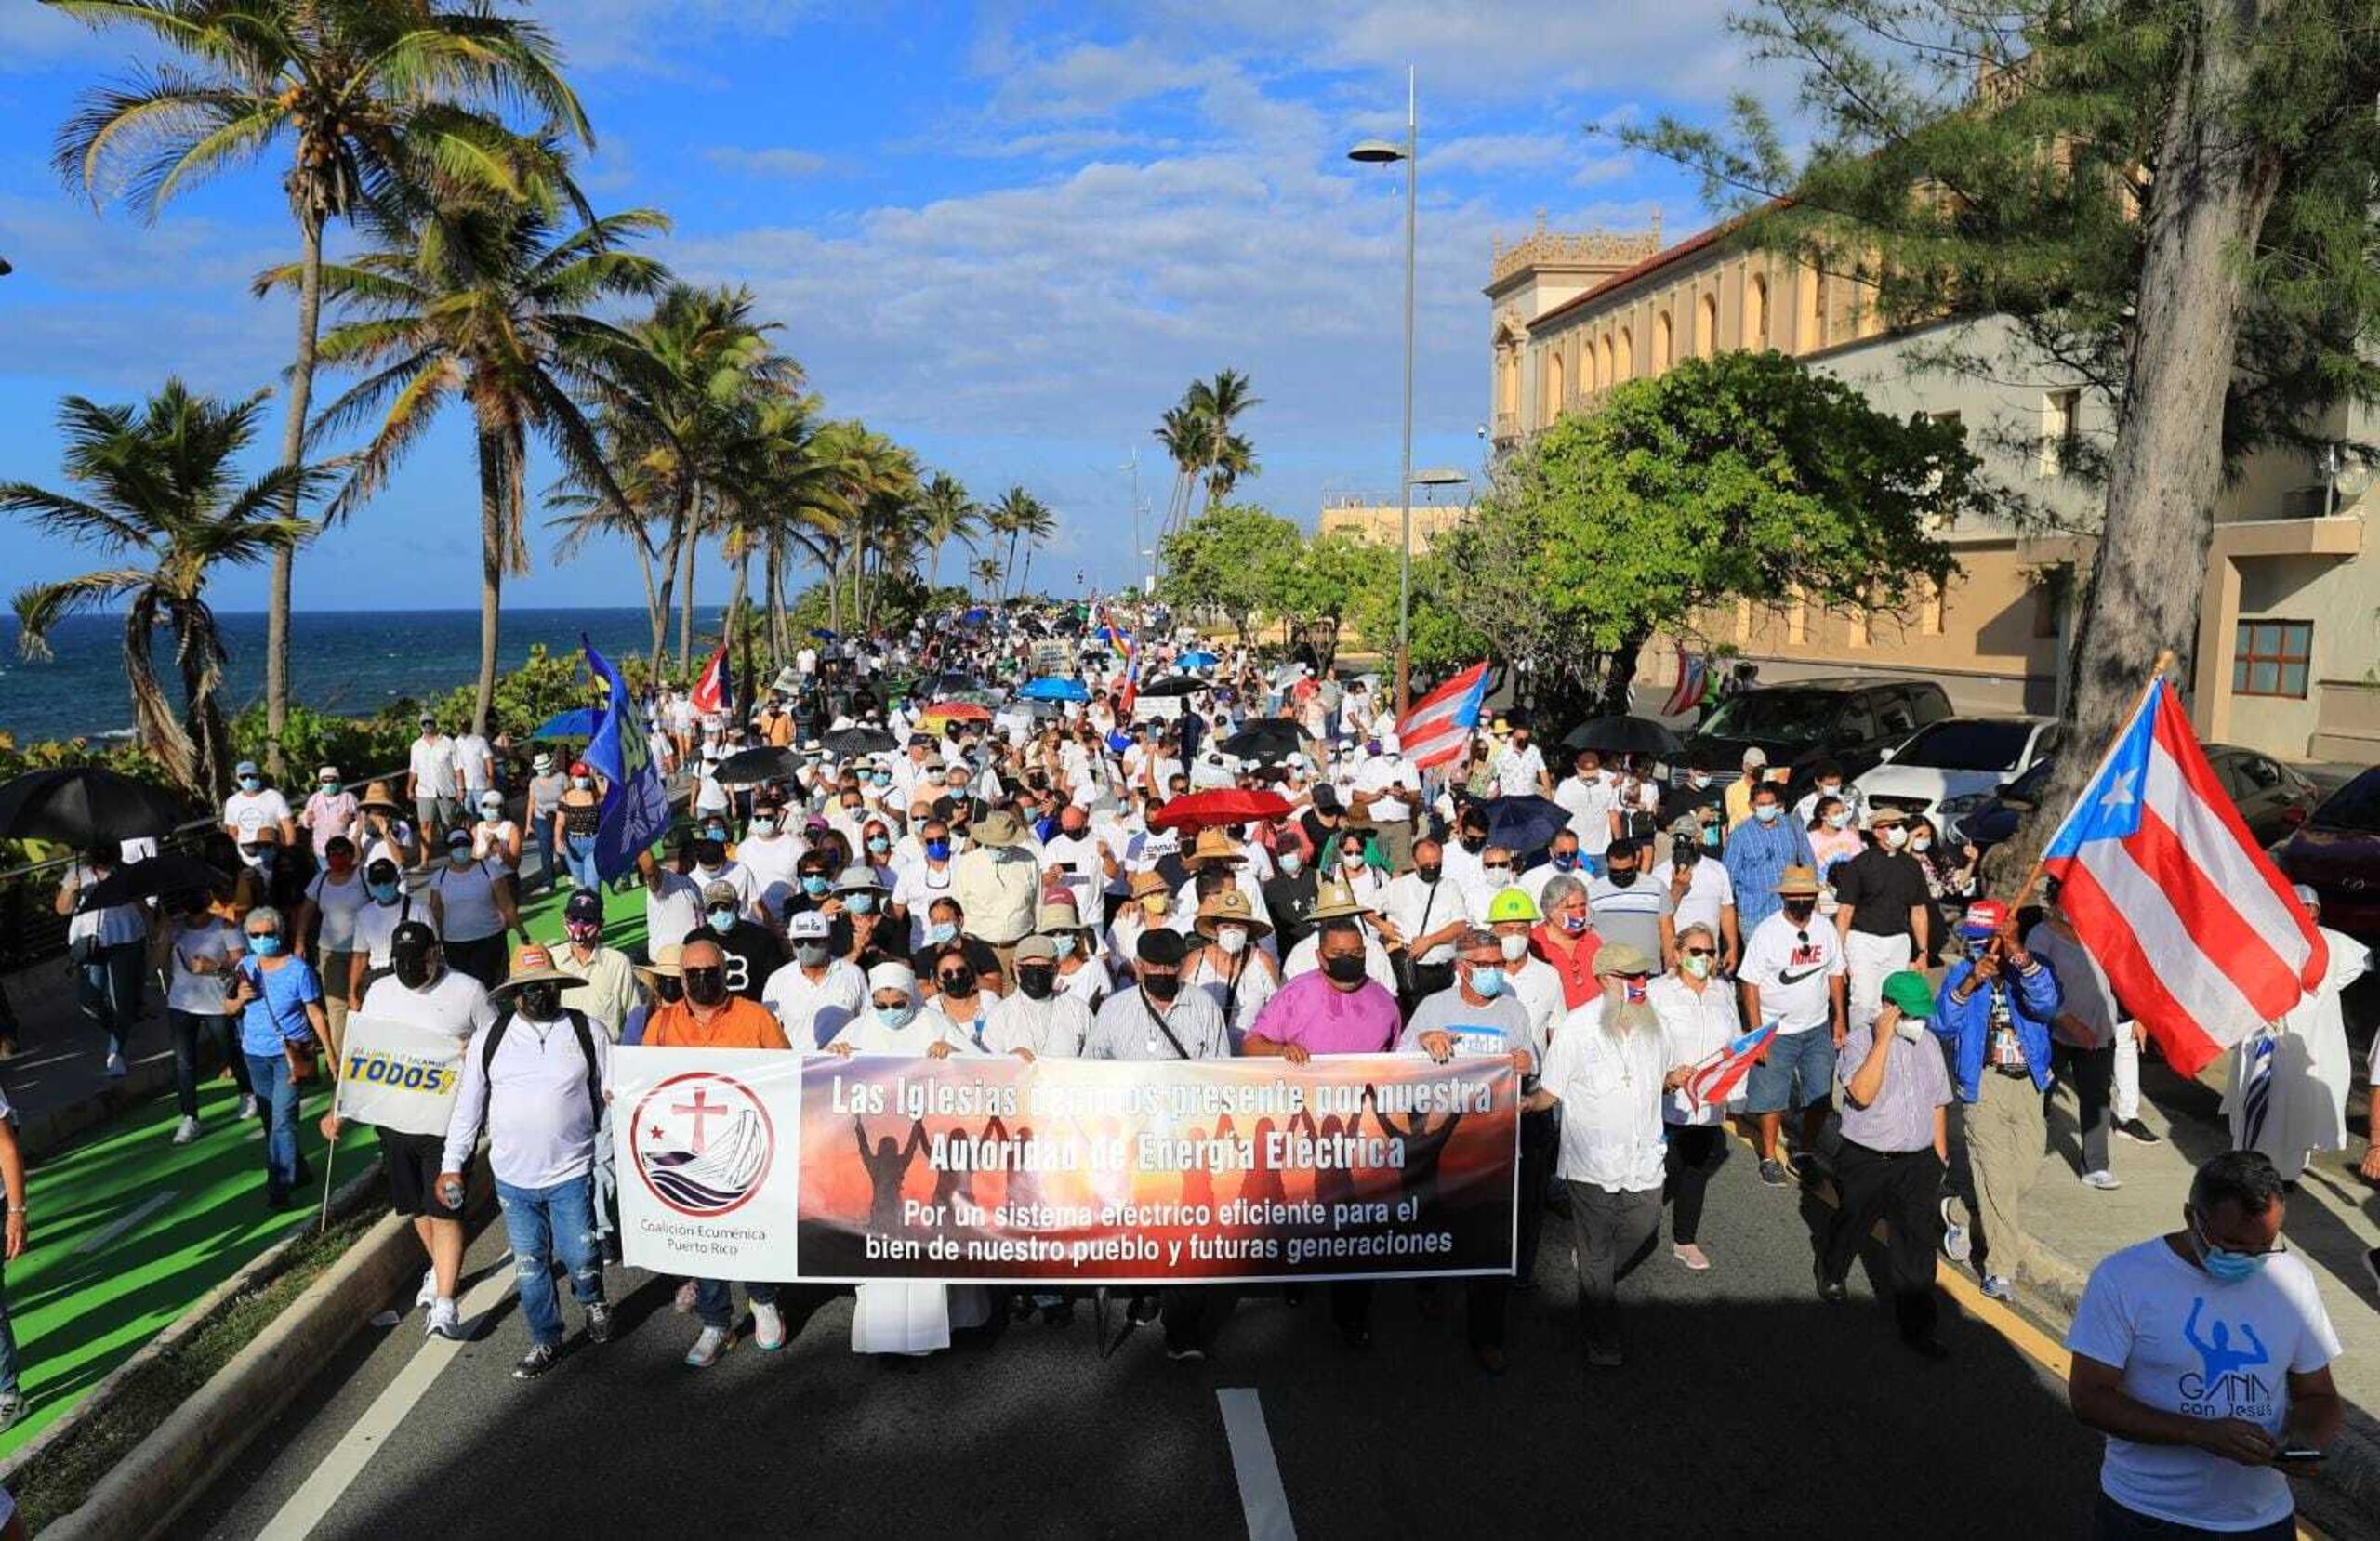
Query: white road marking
{"points": [[338, 1471], [101, 1237], [1261, 1498]]}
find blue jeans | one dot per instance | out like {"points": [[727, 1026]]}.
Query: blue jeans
{"points": [[1799, 1073], [716, 1305], [7, 1342], [541, 1223], [108, 990], [579, 851], [548, 873], [269, 1075], [223, 1033]]}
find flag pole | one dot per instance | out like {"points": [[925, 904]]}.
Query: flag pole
{"points": [[2032, 878]]}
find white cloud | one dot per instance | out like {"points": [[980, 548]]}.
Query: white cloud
{"points": [[1499, 152], [779, 161]]}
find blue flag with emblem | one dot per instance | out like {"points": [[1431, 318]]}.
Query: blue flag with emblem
{"points": [[636, 805]]}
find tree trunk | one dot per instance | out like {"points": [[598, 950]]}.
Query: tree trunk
{"points": [[492, 553], [654, 615], [774, 575], [293, 453], [690, 550], [682, 505], [2213, 184], [154, 724], [199, 653], [1618, 678]]}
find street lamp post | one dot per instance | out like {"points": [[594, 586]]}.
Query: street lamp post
{"points": [[1381, 153]]}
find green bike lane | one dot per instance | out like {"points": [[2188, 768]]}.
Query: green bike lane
{"points": [[128, 1231]]}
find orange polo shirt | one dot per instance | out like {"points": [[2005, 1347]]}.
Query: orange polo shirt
{"points": [[738, 1025]]}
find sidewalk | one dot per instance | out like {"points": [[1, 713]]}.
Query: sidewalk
{"points": [[2334, 1219]]}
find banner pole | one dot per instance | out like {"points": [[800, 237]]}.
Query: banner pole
{"points": [[330, 1154]]}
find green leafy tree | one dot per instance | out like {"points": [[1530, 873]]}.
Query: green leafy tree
{"points": [[370, 100], [1319, 586], [1738, 477], [2167, 200], [949, 514], [157, 490], [1221, 560]]}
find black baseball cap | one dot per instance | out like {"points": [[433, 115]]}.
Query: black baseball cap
{"points": [[585, 905], [414, 938], [380, 869]]}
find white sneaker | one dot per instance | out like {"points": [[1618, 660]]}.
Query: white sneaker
{"points": [[188, 1132], [713, 1342], [247, 1105], [2103, 1179], [768, 1328], [116, 1068], [1957, 1244], [428, 1293], [445, 1321]]}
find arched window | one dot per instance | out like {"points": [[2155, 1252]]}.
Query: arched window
{"points": [[1603, 363], [1756, 313], [1624, 365], [1809, 321], [1553, 384], [1508, 381], [1706, 326], [1660, 342]]}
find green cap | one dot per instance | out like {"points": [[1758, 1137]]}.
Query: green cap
{"points": [[1909, 991]]}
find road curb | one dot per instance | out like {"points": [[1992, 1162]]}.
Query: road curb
{"points": [[44, 1132], [160, 1477]]}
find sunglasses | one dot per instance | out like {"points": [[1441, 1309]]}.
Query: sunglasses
{"points": [[262, 936], [1498, 866], [705, 975], [1701, 952], [952, 982], [1632, 979]]}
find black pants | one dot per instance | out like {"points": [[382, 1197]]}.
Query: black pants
{"points": [[1191, 1312], [2112, 1522], [482, 957], [2092, 1073], [1904, 1190], [1695, 1152], [1540, 1138]]}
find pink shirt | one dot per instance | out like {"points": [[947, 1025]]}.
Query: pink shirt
{"points": [[1312, 1011]]}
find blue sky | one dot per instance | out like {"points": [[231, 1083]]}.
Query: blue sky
{"points": [[1006, 235]]}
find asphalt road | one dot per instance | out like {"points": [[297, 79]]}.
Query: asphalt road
{"points": [[1747, 1406]]}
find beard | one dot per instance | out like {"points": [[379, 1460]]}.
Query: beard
{"points": [[1625, 1017]]}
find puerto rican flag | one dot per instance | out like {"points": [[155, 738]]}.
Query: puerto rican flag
{"points": [[2197, 930], [714, 687], [1692, 669], [1440, 723], [1714, 1079]]}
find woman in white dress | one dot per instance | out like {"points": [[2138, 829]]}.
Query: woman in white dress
{"points": [[1236, 974]]}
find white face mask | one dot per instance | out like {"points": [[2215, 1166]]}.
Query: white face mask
{"points": [[1923, 842], [1233, 940], [1514, 948], [1838, 821], [1894, 836]]}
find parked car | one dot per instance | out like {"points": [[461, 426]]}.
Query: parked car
{"points": [[2336, 852], [2273, 800], [1850, 722], [1947, 769]]}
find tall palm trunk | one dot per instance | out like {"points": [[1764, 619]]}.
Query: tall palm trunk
{"points": [[680, 508], [492, 553], [153, 715], [654, 615], [199, 653], [293, 448], [688, 549]]}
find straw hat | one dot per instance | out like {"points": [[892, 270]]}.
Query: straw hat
{"points": [[1214, 843], [1797, 883], [1229, 907], [664, 963], [1149, 885], [1055, 916], [532, 964], [997, 828], [1335, 902], [376, 794]]}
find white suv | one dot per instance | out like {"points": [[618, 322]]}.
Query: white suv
{"points": [[1947, 769]]}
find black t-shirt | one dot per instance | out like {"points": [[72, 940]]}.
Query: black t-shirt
{"points": [[979, 957], [1289, 901], [753, 954], [1883, 884]]}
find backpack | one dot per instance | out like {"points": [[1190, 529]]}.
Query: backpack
{"points": [[586, 1047]]}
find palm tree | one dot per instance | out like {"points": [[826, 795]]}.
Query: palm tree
{"points": [[372, 96], [1234, 457], [1216, 405], [986, 570], [946, 513], [1018, 516], [160, 494], [488, 307], [1184, 434]]}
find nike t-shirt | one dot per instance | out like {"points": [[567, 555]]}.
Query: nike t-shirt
{"points": [[2190, 1343], [1789, 965]]}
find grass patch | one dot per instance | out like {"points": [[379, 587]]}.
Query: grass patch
{"points": [[60, 1478]]}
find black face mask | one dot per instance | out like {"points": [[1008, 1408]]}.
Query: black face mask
{"points": [[706, 986], [710, 853], [1037, 983], [1344, 969], [1800, 910], [957, 986], [1622, 876], [1473, 843], [542, 1001], [669, 992], [1161, 987], [413, 969], [1427, 875]]}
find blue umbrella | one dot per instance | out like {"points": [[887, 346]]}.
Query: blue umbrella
{"points": [[821, 634], [578, 722], [1052, 688], [1195, 658], [1523, 825]]}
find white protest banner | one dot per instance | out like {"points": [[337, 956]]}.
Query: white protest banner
{"points": [[707, 1142], [397, 1076]]}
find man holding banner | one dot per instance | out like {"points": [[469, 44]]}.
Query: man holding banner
{"points": [[400, 1063]]}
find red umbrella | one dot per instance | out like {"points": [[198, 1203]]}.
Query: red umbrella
{"points": [[1225, 805], [958, 711]]}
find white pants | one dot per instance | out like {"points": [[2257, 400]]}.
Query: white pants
{"points": [[1872, 959], [2127, 1097]]}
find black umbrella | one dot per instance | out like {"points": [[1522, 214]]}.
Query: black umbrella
{"points": [[168, 872], [851, 742], [1523, 825], [84, 805], [1173, 684], [1270, 738], [751, 766], [1623, 735]]}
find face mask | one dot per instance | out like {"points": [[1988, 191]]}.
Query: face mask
{"points": [[1487, 980], [1473, 843], [1622, 876], [720, 920], [385, 894], [1710, 835], [1037, 983], [958, 987], [1428, 874], [1514, 948], [669, 992], [878, 844], [860, 903], [706, 986], [413, 969], [584, 783], [1768, 813], [1233, 940], [763, 828], [1841, 819], [1344, 969], [937, 851], [2225, 1264], [1830, 789], [895, 1017], [587, 933], [1351, 859], [1894, 836], [1699, 966], [1291, 864], [460, 855], [264, 946], [810, 954], [490, 813], [1573, 924], [941, 933], [1498, 877], [1697, 781], [1923, 842], [330, 789], [1632, 991], [1565, 861], [1161, 987], [1800, 910], [1910, 1029], [709, 851], [542, 1001], [251, 783], [814, 884]]}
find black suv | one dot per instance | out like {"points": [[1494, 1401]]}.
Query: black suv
{"points": [[1850, 722]]}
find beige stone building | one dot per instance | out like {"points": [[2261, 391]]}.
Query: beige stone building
{"points": [[2288, 655], [1370, 516]]}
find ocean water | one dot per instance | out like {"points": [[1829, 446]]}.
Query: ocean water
{"points": [[347, 662]]}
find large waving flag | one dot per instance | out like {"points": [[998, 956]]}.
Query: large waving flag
{"points": [[1693, 668], [715, 689], [636, 806], [1440, 723], [2197, 930], [1715, 1078]]}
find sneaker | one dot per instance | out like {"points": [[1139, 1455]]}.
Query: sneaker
{"points": [[1772, 1172], [12, 1407], [1996, 1287], [1830, 1290], [683, 1302], [768, 1328], [247, 1105], [2137, 1132], [1189, 1354], [1692, 1256], [711, 1343], [2103, 1179], [428, 1293], [1143, 1310], [537, 1362], [117, 1069], [445, 1321], [1957, 1244], [187, 1132], [599, 1322]]}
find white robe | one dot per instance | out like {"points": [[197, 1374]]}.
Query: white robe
{"points": [[2312, 1069]]}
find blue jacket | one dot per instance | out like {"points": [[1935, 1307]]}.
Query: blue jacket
{"points": [[1757, 854], [2033, 998]]}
